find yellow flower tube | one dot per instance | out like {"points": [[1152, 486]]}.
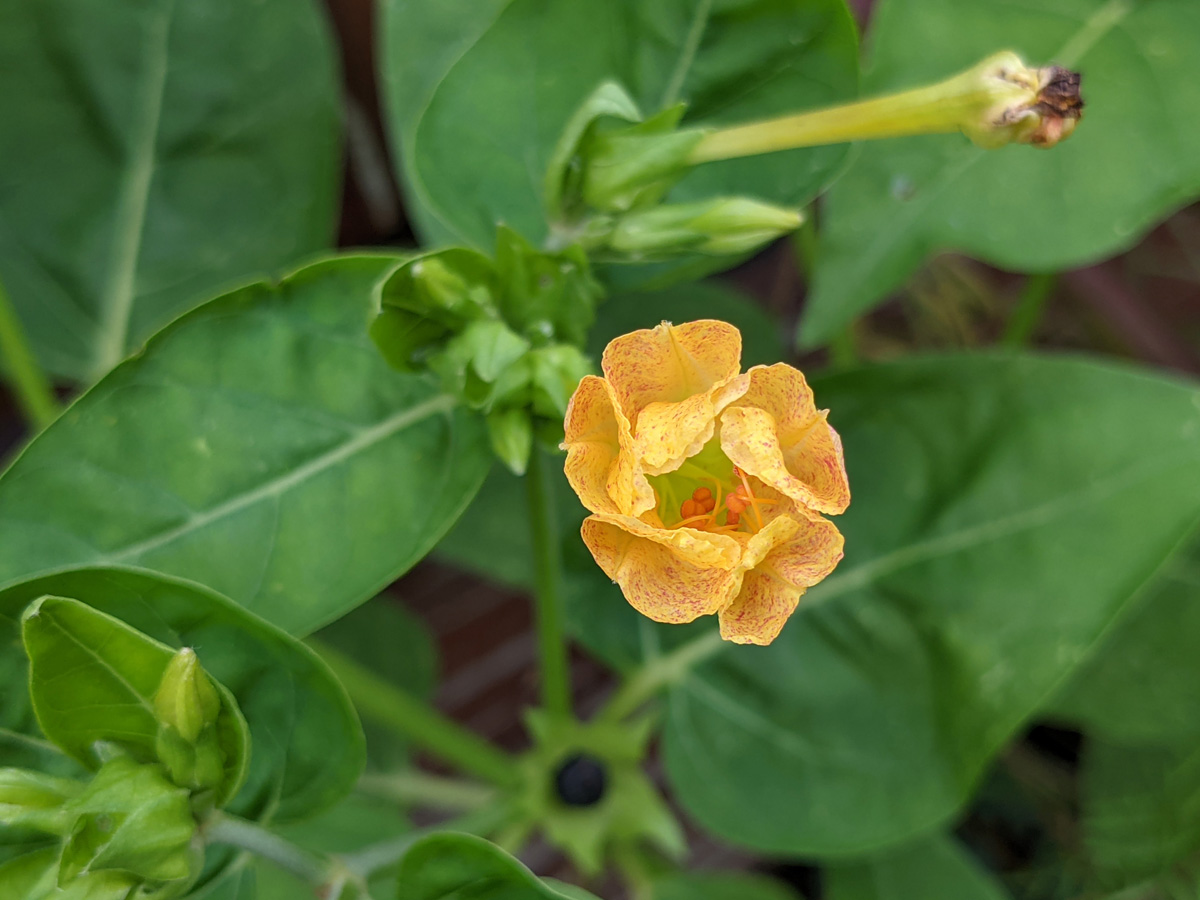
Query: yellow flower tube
{"points": [[707, 486]]}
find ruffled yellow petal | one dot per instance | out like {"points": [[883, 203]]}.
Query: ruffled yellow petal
{"points": [[699, 548], [670, 363], [600, 462], [656, 578], [775, 433], [801, 553]]}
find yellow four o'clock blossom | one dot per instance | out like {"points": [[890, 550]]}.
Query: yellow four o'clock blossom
{"points": [[706, 485]]}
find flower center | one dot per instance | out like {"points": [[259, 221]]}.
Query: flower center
{"points": [[710, 493]]}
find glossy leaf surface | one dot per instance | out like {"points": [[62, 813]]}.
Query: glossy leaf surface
{"points": [[261, 446], [157, 152]]}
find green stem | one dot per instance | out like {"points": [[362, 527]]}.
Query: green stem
{"points": [[843, 348], [417, 721], [29, 382], [222, 828], [1030, 306], [551, 628], [663, 672], [414, 788], [382, 856]]}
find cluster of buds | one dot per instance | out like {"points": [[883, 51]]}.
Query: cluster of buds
{"points": [[612, 169], [503, 334]]}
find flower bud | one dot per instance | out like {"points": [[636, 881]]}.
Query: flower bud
{"points": [[1038, 106], [511, 434], [726, 225], [186, 699]]}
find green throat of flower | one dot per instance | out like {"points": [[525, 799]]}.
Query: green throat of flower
{"points": [[709, 493]]}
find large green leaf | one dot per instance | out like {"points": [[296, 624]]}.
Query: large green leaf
{"points": [[936, 868], [1141, 810], [478, 93], [449, 866], [1142, 685], [94, 679], [307, 745], [261, 446], [1005, 510], [155, 151], [1134, 158]]}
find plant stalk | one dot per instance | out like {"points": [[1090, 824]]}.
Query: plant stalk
{"points": [[551, 627], [417, 721], [413, 788], [222, 828], [29, 383], [663, 672], [1030, 306]]}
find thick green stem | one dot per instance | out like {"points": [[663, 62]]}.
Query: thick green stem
{"points": [[663, 672], [222, 828], [28, 381], [414, 788], [1030, 306], [551, 628], [417, 721]]}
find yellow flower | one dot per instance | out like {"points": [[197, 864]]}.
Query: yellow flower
{"points": [[706, 485]]}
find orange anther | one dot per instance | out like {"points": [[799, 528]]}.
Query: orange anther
{"points": [[732, 518], [690, 509], [709, 504], [735, 503], [701, 494]]}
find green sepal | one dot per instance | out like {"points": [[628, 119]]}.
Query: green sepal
{"points": [[563, 184], [631, 811], [30, 876], [555, 372], [93, 681], [545, 296], [35, 800], [133, 819], [511, 434], [634, 166], [722, 226]]}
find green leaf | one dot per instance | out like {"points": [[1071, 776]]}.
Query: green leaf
{"points": [[1142, 685], [722, 886], [93, 680], [937, 868], [259, 445], [447, 866], [1141, 809], [355, 822], [516, 71], [31, 875], [393, 643], [155, 153], [1006, 509], [307, 745], [1134, 158]]}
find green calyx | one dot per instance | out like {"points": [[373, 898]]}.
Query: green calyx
{"points": [[611, 171], [502, 334], [623, 811]]}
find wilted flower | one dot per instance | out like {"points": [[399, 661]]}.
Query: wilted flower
{"points": [[706, 486]]}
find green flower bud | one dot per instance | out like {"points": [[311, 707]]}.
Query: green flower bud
{"points": [[35, 800], [724, 226], [186, 699], [511, 434]]}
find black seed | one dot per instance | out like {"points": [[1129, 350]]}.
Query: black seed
{"points": [[580, 780]]}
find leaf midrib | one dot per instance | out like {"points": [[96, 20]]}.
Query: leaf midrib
{"points": [[116, 301], [361, 441]]}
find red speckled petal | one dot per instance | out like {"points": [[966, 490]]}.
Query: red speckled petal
{"points": [[670, 363], [654, 577], [600, 462], [775, 433]]}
